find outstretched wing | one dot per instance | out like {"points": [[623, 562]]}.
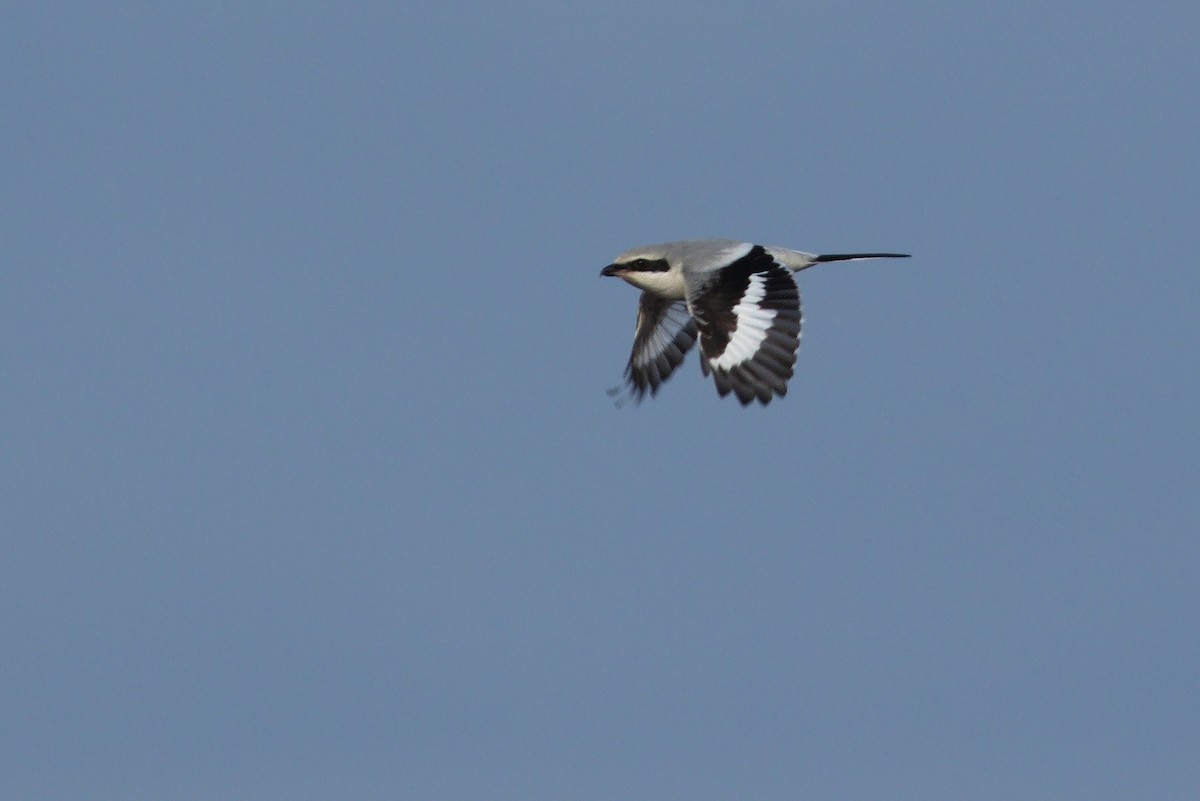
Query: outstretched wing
{"points": [[748, 315], [665, 332]]}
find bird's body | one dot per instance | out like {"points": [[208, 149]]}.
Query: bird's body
{"points": [[739, 299]]}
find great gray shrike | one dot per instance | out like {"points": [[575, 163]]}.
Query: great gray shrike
{"points": [[740, 300]]}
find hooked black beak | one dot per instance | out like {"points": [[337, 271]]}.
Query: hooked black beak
{"points": [[610, 270]]}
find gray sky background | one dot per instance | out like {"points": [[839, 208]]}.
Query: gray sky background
{"points": [[310, 487]]}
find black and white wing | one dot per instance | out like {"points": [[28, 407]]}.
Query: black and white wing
{"points": [[749, 318], [665, 332]]}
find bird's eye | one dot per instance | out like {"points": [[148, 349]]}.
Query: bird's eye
{"points": [[640, 262]]}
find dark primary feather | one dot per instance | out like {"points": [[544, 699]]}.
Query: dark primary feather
{"points": [[665, 332], [766, 373]]}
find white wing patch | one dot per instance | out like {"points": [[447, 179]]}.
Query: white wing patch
{"points": [[753, 323]]}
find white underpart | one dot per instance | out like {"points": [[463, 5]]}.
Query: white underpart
{"points": [[667, 284], [752, 324]]}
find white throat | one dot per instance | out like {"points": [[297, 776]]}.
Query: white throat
{"points": [[668, 284]]}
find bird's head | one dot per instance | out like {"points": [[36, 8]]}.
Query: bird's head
{"points": [[646, 259]]}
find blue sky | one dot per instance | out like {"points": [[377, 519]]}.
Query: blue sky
{"points": [[311, 488]]}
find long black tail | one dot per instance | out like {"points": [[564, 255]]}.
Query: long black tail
{"points": [[852, 256]]}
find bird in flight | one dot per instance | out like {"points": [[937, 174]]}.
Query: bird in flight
{"points": [[739, 299]]}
